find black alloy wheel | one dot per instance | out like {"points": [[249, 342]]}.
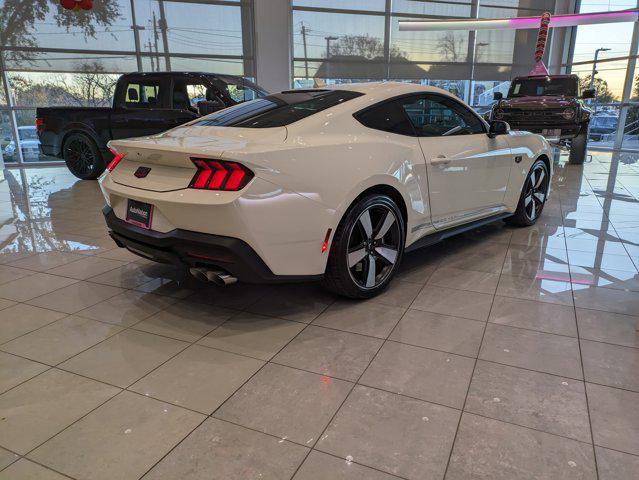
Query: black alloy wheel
{"points": [[83, 157], [373, 246], [535, 196], [367, 248]]}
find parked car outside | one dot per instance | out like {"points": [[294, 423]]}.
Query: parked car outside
{"points": [[29, 144]]}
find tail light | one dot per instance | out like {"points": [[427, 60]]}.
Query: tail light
{"points": [[39, 124], [219, 175], [117, 157]]}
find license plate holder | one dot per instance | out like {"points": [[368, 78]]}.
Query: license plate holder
{"points": [[139, 214], [551, 132]]}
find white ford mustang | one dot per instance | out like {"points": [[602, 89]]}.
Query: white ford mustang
{"points": [[332, 184]]}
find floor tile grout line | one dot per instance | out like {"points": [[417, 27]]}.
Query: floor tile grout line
{"points": [[21, 457], [583, 371], [353, 386], [228, 398], [472, 375]]}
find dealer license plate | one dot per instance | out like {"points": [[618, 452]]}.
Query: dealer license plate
{"points": [[139, 213]]}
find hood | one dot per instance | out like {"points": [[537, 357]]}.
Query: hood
{"points": [[532, 103]]}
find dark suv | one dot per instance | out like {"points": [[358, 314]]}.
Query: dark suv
{"points": [[551, 106]]}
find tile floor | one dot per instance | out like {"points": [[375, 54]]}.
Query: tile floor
{"points": [[502, 354]]}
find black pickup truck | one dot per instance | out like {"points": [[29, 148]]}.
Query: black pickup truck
{"points": [[143, 104], [551, 106]]}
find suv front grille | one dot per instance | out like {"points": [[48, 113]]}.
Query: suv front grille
{"points": [[533, 116]]}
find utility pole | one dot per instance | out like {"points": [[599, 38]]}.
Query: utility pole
{"points": [[304, 32], [165, 37], [155, 36], [151, 57], [328, 54], [594, 66]]}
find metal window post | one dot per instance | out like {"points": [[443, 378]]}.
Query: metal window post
{"points": [[12, 114], [627, 88]]}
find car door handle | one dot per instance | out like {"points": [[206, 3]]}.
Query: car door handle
{"points": [[440, 160]]}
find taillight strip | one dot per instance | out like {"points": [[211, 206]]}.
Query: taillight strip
{"points": [[219, 175], [117, 157]]}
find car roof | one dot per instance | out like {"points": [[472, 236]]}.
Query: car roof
{"points": [[391, 89]]}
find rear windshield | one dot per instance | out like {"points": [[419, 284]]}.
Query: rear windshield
{"points": [[278, 110], [543, 86]]}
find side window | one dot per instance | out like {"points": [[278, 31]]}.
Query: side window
{"points": [[196, 93], [241, 94], [143, 95], [388, 117], [435, 116]]}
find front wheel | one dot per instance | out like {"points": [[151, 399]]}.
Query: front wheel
{"points": [[533, 196], [578, 147], [367, 248], [82, 156]]}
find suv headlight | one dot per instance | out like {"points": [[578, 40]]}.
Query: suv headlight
{"points": [[568, 113], [499, 114]]}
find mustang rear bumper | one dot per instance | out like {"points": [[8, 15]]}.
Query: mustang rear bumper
{"points": [[191, 249]]}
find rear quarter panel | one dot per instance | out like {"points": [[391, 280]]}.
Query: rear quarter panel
{"points": [[333, 160]]}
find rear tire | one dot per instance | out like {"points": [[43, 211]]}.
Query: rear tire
{"points": [[83, 157], [367, 248], [533, 196], [578, 147]]}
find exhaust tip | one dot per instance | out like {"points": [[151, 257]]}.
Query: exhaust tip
{"points": [[217, 277], [199, 273]]}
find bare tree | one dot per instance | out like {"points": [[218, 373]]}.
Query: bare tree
{"points": [[451, 46], [91, 86], [363, 46]]}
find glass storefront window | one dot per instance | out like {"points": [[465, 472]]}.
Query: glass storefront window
{"points": [[365, 5], [107, 26], [631, 129], [86, 89], [449, 8]]}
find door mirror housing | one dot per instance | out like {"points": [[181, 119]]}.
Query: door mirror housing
{"points": [[590, 93], [498, 127], [206, 107], [498, 96]]}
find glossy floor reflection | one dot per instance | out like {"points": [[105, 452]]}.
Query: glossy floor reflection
{"points": [[501, 354]]}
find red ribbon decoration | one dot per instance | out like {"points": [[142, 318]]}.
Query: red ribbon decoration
{"points": [[542, 37], [76, 5]]}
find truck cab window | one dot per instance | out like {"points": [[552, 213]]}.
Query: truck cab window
{"points": [[141, 95]]}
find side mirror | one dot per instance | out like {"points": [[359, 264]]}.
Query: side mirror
{"points": [[206, 107], [498, 96], [590, 93], [498, 127]]}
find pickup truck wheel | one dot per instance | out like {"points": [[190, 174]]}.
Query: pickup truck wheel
{"points": [[82, 156], [578, 147]]}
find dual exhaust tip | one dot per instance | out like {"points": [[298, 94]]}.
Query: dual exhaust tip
{"points": [[219, 277]]}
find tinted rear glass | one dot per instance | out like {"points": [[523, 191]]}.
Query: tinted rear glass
{"points": [[546, 86], [279, 109]]}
